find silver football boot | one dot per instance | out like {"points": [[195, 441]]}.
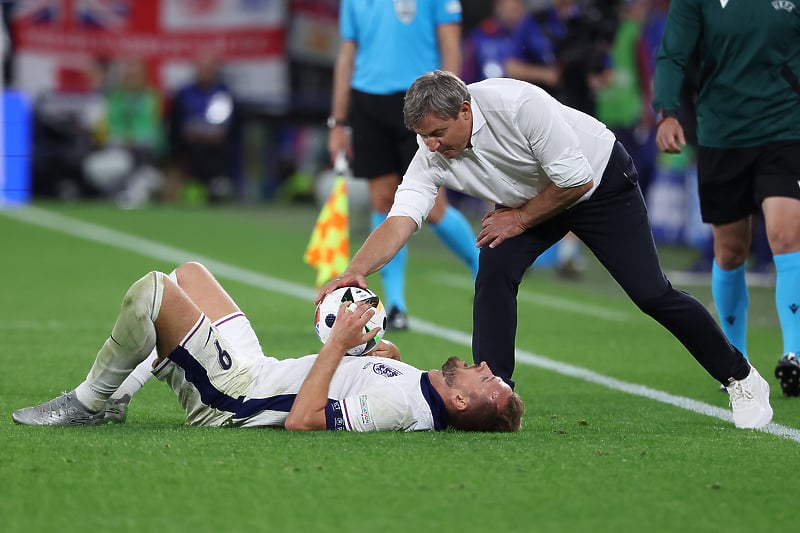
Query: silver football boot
{"points": [[117, 410], [64, 410]]}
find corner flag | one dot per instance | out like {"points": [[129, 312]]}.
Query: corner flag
{"points": [[329, 247]]}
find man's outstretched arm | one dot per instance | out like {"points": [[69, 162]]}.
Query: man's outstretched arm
{"points": [[380, 247], [308, 410]]}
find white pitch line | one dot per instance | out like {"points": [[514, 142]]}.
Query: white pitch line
{"points": [[543, 300], [47, 325], [156, 250]]}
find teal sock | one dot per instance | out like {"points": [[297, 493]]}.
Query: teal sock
{"points": [[787, 299], [455, 231], [393, 275], [729, 289]]}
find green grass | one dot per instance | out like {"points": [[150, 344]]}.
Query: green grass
{"points": [[589, 458]]}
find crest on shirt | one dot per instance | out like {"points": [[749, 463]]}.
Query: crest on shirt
{"points": [[385, 370], [783, 4], [406, 10]]}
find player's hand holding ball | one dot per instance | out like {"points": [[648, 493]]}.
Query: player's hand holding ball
{"points": [[349, 330], [359, 308]]}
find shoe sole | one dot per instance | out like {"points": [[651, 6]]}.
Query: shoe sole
{"points": [[23, 421], [789, 377]]}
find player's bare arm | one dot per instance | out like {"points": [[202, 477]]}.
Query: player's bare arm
{"points": [[308, 410], [379, 248], [502, 224], [338, 139]]}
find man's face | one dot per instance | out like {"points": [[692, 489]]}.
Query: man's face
{"points": [[477, 379], [449, 137]]}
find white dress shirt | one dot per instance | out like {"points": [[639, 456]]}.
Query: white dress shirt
{"points": [[522, 138]]}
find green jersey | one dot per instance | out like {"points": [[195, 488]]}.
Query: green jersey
{"points": [[749, 83]]}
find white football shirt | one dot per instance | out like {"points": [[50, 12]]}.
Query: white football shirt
{"points": [[366, 394], [522, 138], [221, 377]]}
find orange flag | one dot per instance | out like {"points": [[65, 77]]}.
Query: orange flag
{"points": [[329, 247]]}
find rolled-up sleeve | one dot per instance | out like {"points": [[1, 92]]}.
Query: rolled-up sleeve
{"points": [[554, 143], [417, 193]]}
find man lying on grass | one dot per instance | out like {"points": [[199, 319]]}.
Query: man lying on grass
{"points": [[209, 355]]}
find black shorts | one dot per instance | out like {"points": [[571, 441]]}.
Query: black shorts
{"points": [[733, 182], [381, 143]]}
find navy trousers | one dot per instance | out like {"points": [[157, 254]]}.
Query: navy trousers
{"points": [[613, 224]]}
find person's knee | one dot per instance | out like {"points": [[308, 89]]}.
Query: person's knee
{"points": [[189, 272], [496, 268], [730, 257], [382, 200], [382, 190], [783, 240], [653, 302], [731, 244], [143, 298]]}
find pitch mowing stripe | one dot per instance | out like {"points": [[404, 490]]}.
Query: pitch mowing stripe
{"points": [[93, 232], [550, 302]]}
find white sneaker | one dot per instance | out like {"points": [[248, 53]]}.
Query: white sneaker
{"points": [[749, 399]]}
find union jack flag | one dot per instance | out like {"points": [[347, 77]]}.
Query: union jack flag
{"points": [[103, 14], [98, 14], [38, 11]]}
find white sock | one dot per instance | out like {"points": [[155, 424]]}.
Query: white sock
{"points": [[136, 379], [142, 372], [132, 340]]}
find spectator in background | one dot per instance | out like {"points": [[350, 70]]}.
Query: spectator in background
{"points": [[748, 133], [489, 45], [559, 48], [126, 165], [624, 105], [486, 49], [563, 49], [203, 125], [384, 47]]}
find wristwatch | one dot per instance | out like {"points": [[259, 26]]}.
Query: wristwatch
{"points": [[333, 122]]}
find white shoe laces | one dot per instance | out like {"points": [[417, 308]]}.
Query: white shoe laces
{"points": [[740, 394]]}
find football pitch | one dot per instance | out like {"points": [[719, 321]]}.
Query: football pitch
{"points": [[624, 431]]}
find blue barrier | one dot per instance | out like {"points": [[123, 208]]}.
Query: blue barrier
{"points": [[15, 183]]}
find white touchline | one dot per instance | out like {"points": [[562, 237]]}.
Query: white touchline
{"points": [[543, 300], [93, 232]]}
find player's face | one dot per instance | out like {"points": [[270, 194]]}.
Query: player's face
{"points": [[477, 378], [449, 137]]}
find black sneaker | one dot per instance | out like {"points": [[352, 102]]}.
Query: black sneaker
{"points": [[788, 373], [397, 320]]}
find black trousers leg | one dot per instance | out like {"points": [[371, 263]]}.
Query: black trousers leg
{"points": [[613, 224], [494, 313]]}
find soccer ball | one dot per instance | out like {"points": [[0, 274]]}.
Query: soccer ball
{"points": [[329, 306]]}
